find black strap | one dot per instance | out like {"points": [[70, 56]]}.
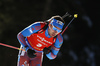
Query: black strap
{"points": [[45, 27]]}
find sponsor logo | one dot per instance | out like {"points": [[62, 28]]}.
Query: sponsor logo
{"points": [[41, 42], [43, 39], [59, 22], [38, 48]]}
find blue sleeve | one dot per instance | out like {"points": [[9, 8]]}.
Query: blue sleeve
{"points": [[33, 28], [27, 32], [55, 49]]}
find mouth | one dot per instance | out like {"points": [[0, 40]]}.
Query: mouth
{"points": [[53, 34]]}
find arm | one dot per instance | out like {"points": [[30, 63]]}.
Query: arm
{"points": [[55, 49], [27, 32]]}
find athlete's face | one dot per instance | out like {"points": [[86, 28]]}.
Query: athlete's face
{"points": [[53, 30]]}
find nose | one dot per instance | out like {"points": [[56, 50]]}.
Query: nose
{"points": [[55, 31]]}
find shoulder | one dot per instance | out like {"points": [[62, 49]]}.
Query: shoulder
{"points": [[38, 25], [33, 28]]}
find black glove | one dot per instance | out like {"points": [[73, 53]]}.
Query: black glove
{"points": [[31, 53], [46, 50]]}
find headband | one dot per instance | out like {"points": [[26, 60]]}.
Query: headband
{"points": [[57, 23]]}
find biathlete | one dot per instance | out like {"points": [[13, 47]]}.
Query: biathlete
{"points": [[38, 38]]}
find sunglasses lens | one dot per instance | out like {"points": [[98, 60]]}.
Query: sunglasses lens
{"points": [[59, 31], [54, 28]]}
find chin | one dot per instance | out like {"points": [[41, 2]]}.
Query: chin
{"points": [[53, 36]]}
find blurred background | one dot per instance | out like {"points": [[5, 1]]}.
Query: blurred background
{"points": [[81, 45]]}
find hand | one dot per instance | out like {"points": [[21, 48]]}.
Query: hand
{"points": [[31, 53], [46, 50]]}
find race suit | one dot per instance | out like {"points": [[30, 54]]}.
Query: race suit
{"points": [[37, 40]]}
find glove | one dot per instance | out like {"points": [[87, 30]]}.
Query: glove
{"points": [[31, 53], [46, 50]]}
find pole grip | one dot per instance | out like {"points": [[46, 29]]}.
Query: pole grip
{"points": [[75, 16]]}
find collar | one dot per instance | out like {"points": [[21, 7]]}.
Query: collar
{"points": [[47, 34]]}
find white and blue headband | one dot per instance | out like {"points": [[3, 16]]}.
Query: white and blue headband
{"points": [[57, 23]]}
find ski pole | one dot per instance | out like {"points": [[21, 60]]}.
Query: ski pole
{"points": [[75, 16], [11, 46]]}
